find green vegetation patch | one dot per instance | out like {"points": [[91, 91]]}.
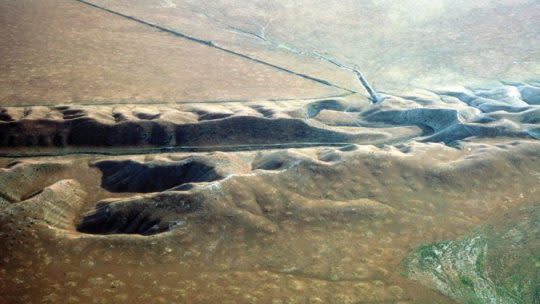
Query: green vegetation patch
{"points": [[498, 263]]}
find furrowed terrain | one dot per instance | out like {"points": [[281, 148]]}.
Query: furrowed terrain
{"points": [[178, 152]]}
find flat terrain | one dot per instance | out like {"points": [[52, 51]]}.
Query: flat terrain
{"points": [[398, 45], [226, 152], [66, 52]]}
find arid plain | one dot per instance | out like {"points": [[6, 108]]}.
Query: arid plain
{"points": [[269, 152]]}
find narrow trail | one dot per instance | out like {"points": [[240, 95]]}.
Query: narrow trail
{"points": [[158, 150], [211, 44]]}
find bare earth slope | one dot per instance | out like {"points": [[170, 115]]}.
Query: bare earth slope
{"points": [[187, 152]]}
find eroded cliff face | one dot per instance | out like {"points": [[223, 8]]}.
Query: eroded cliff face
{"points": [[182, 152]]}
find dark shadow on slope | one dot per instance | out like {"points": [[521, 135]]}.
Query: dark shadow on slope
{"points": [[314, 108], [204, 115], [140, 215], [214, 131], [132, 176]]}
